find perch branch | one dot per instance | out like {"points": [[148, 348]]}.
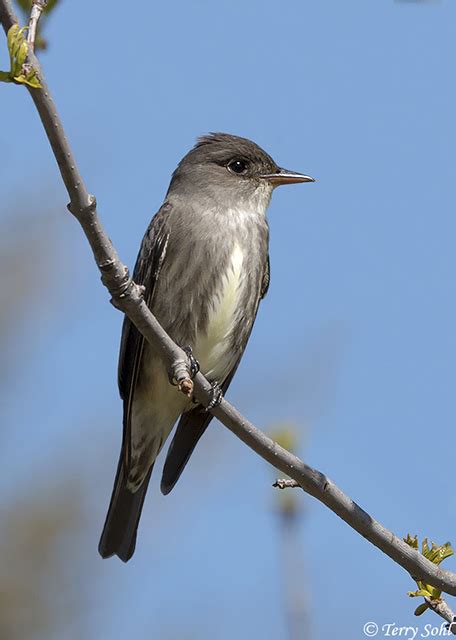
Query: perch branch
{"points": [[127, 296]]}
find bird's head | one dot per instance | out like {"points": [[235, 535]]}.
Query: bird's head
{"points": [[232, 170]]}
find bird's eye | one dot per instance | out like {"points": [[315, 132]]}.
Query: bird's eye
{"points": [[237, 166]]}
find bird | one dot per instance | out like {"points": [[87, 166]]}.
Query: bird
{"points": [[203, 266]]}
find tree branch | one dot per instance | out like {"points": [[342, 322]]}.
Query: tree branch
{"points": [[441, 608], [286, 483], [127, 297], [37, 8]]}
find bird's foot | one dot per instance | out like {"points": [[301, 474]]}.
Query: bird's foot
{"points": [[194, 364], [216, 396], [192, 370]]}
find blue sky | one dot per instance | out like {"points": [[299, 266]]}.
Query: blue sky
{"points": [[359, 95]]}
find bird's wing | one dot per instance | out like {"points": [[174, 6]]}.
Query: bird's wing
{"points": [[266, 279], [119, 532], [146, 273], [194, 423]]}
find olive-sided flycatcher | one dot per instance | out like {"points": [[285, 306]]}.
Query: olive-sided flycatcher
{"points": [[204, 266]]}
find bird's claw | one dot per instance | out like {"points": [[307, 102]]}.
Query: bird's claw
{"points": [[192, 369], [194, 364], [216, 396]]}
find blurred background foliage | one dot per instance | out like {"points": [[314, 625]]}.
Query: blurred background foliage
{"points": [[42, 590]]}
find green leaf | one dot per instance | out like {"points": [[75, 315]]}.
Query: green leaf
{"points": [[425, 548], [434, 554], [435, 593], [421, 609], [18, 51], [22, 54], [12, 32], [421, 592], [443, 552], [411, 541], [31, 81]]}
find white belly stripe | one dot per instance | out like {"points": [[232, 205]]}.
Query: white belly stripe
{"points": [[212, 347]]}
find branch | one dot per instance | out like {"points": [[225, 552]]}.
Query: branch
{"points": [[37, 8], [127, 297], [441, 608], [285, 483]]}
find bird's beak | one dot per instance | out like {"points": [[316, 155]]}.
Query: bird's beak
{"points": [[283, 176]]}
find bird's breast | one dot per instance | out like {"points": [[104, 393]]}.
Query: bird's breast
{"points": [[214, 343]]}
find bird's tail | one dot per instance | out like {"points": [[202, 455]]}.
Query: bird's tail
{"points": [[119, 532]]}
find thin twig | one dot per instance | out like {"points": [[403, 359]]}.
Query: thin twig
{"points": [[38, 7], [127, 296], [286, 483], [441, 608]]}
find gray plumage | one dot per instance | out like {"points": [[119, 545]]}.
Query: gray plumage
{"points": [[204, 265]]}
